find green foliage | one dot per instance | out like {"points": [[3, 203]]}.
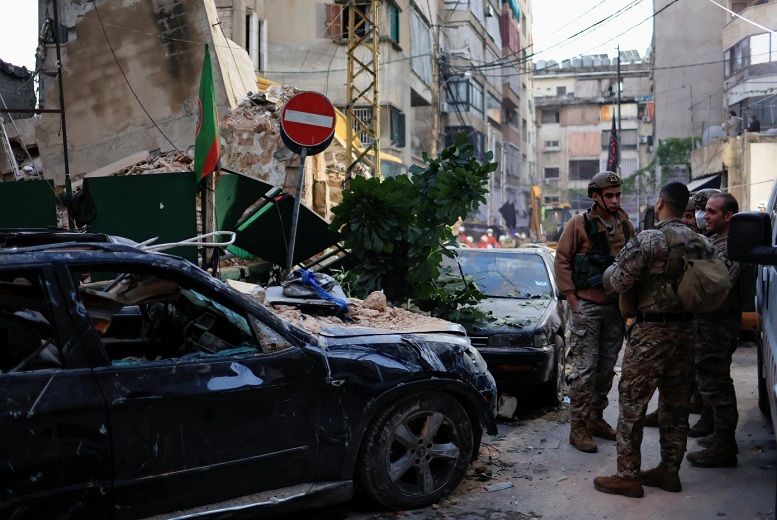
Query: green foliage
{"points": [[671, 152], [455, 299], [396, 229]]}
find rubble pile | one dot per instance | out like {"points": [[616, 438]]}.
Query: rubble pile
{"points": [[363, 313]]}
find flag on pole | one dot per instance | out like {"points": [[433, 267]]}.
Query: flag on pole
{"points": [[206, 141], [614, 150]]}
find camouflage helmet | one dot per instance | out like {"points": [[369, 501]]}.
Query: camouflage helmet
{"points": [[700, 197], [603, 180], [691, 204]]}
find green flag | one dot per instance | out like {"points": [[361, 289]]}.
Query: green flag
{"points": [[206, 142]]}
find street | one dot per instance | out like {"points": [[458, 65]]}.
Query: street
{"points": [[549, 479]]}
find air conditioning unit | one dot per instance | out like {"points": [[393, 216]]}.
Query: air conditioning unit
{"points": [[643, 139], [645, 119], [650, 149]]}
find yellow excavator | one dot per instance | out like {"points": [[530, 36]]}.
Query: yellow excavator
{"points": [[547, 219]]}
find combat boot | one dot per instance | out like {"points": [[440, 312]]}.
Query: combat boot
{"points": [[661, 477], [696, 404], [580, 439], [615, 485], [722, 454], [598, 427], [704, 426], [651, 419], [709, 440]]}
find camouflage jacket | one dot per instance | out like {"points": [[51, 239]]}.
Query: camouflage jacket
{"points": [[742, 281], [643, 262]]}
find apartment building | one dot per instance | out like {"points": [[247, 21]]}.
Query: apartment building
{"points": [[463, 56], [743, 164], [576, 102]]}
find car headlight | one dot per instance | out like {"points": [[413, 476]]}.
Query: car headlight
{"points": [[540, 339], [474, 360]]}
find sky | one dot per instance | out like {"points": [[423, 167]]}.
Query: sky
{"points": [[19, 32], [555, 22]]}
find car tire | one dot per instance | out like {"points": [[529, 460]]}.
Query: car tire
{"points": [[416, 451], [552, 392], [763, 391]]}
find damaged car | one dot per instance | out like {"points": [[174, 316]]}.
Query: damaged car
{"points": [[524, 343], [135, 385]]}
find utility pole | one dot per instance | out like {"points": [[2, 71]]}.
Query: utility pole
{"points": [[690, 90], [435, 90], [618, 81]]}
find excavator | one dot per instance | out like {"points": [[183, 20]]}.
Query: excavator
{"points": [[547, 219]]}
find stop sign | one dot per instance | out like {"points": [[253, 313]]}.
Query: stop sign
{"points": [[308, 121]]}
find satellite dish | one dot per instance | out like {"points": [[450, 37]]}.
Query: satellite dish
{"points": [[712, 133]]}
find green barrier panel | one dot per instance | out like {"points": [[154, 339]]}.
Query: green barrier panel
{"points": [[140, 207], [28, 204]]}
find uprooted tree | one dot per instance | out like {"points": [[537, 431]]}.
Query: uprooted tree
{"points": [[396, 230]]}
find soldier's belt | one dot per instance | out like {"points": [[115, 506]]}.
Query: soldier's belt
{"points": [[663, 317]]}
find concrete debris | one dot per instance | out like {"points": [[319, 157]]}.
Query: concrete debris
{"points": [[376, 301], [498, 486]]}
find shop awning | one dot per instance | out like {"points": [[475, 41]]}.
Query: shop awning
{"points": [[712, 181]]}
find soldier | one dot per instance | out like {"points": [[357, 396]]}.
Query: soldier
{"points": [[704, 425], [716, 343], [689, 217], [588, 244], [659, 346]]}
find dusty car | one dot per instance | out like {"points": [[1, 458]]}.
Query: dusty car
{"points": [[135, 384], [524, 345]]}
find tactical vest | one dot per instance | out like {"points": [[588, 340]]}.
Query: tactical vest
{"points": [[593, 263]]}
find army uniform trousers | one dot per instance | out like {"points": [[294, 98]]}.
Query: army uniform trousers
{"points": [[716, 342], [596, 339], [657, 356]]}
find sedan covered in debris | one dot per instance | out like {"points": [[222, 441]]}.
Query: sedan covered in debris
{"points": [[134, 384], [524, 345]]}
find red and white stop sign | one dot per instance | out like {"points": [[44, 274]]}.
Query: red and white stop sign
{"points": [[308, 121]]}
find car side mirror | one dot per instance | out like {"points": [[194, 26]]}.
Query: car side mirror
{"points": [[750, 239]]}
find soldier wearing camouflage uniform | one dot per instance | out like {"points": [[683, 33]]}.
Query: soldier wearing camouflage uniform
{"points": [[704, 426], [596, 326], [659, 346], [716, 343]]}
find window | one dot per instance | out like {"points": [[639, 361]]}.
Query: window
{"points": [[551, 146], [583, 170], [561, 91], [759, 48], [394, 21], [421, 47], [628, 139], [552, 173], [549, 116], [28, 340], [494, 108], [337, 16], [465, 96], [365, 116], [397, 127], [141, 316], [475, 138]]}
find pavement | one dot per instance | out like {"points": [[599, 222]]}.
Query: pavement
{"points": [[530, 471]]}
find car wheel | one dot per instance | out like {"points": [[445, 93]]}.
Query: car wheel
{"points": [[416, 451], [763, 392], [552, 392]]}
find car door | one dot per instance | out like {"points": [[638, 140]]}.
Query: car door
{"points": [[55, 445], [198, 428]]}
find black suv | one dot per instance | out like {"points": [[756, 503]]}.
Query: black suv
{"points": [[135, 384]]}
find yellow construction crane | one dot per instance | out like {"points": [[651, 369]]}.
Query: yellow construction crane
{"points": [[363, 133]]}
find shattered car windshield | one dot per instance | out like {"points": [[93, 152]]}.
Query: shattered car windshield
{"points": [[506, 274]]}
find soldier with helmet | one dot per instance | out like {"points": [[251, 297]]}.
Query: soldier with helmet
{"points": [[659, 350], [587, 246], [689, 216]]}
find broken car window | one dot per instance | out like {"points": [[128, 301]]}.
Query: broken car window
{"points": [[143, 317], [27, 337]]}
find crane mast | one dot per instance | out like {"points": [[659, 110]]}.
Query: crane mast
{"points": [[362, 85]]}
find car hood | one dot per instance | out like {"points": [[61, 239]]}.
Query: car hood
{"points": [[513, 314]]}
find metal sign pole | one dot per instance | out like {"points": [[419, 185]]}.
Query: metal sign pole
{"points": [[295, 215]]}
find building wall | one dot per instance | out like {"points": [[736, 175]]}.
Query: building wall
{"points": [[140, 91], [687, 54], [17, 88]]}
